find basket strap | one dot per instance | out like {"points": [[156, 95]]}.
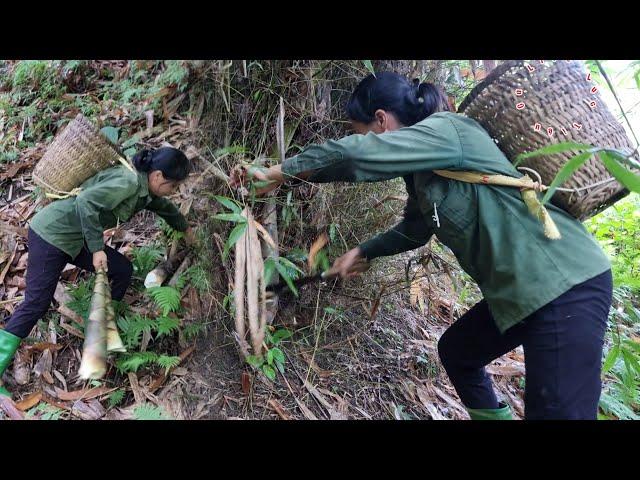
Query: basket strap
{"points": [[60, 193], [126, 163], [527, 187]]}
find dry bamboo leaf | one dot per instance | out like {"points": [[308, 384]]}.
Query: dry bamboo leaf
{"points": [[314, 366], [6, 268], [135, 387], [333, 413], [280, 410], [447, 398], [309, 415], [246, 383], [71, 330], [60, 377], [239, 282], [427, 403], [44, 363], [510, 370], [317, 245], [21, 369], [517, 403], [29, 402], [91, 410], [416, 294], [265, 235], [42, 346], [85, 393]]}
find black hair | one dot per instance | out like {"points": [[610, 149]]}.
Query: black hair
{"points": [[173, 164], [410, 102]]}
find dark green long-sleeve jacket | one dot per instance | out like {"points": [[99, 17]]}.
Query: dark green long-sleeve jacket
{"points": [[107, 199], [488, 228]]}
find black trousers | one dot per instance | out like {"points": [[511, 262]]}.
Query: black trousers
{"points": [[562, 345], [44, 266]]}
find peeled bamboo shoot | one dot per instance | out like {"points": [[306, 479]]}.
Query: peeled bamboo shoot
{"points": [[157, 276]]}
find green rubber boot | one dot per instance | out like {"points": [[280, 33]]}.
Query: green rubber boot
{"points": [[8, 346], [502, 413]]}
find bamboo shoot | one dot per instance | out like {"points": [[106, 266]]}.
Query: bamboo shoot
{"points": [[94, 354]]}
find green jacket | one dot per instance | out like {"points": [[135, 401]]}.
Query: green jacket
{"points": [[107, 199], [488, 228]]}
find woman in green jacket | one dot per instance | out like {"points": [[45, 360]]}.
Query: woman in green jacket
{"points": [[552, 296], [71, 231]]}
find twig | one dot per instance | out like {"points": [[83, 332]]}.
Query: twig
{"points": [[606, 77]]}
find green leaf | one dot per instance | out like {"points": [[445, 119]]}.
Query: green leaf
{"points": [[254, 361], [277, 355], [550, 149], [630, 360], [565, 172], [230, 149], [269, 268], [230, 204], [280, 335], [611, 358], [235, 234], [111, 133], [624, 176], [369, 66], [231, 217], [288, 263], [284, 274], [270, 357], [280, 367], [269, 372]]}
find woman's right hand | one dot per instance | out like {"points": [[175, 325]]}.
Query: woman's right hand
{"points": [[349, 265], [240, 174], [100, 260]]}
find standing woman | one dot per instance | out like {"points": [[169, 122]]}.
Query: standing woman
{"points": [[552, 296], [71, 231]]}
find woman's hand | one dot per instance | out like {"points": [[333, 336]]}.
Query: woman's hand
{"points": [[349, 265], [100, 260], [240, 174]]}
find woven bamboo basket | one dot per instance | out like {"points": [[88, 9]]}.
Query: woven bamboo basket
{"points": [[557, 95], [76, 154]]}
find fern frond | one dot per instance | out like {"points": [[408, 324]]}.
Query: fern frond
{"points": [[131, 363], [167, 298], [148, 411], [166, 325], [167, 362]]}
